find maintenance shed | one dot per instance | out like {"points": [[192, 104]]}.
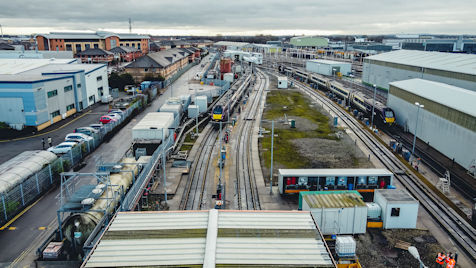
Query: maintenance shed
{"points": [[211, 238], [399, 208], [455, 69], [336, 212], [448, 120], [328, 67], [282, 82]]}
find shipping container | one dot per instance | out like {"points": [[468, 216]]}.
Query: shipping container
{"points": [[153, 127], [337, 212]]}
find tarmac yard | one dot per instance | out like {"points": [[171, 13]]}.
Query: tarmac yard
{"points": [[313, 143]]}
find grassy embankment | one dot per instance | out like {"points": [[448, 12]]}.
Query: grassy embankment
{"points": [[293, 104]]}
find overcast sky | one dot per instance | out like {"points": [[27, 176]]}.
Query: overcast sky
{"points": [[250, 17]]}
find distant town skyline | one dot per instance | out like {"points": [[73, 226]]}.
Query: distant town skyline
{"points": [[245, 17]]}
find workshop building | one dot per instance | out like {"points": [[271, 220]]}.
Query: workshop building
{"points": [[329, 67], [450, 68], [448, 120], [41, 92], [312, 42], [211, 239]]}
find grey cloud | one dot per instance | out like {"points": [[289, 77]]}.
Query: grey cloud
{"points": [[343, 16]]}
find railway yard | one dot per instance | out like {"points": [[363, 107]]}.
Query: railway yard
{"points": [[253, 146]]}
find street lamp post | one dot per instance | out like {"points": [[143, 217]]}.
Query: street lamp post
{"points": [[373, 107], [272, 151], [416, 126]]}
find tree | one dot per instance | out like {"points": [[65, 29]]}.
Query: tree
{"points": [[127, 79], [120, 81], [152, 77]]}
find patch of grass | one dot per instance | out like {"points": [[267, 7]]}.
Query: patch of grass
{"points": [[294, 104]]}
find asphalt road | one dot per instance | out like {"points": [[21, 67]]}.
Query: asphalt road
{"points": [[19, 242]]}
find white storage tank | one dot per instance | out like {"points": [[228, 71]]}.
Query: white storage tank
{"points": [[175, 108], [374, 211], [399, 208], [202, 103], [345, 246], [337, 212], [193, 111], [153, 127], [228, 77], [282, 82]]}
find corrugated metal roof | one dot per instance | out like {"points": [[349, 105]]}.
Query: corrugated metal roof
{"points": [[15, 66], [461, 63], [331, 200], [335, 172], [457, 98], [215, 237]]}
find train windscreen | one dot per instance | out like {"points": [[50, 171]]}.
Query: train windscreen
{"points": [[388, 113], [218, 110]]}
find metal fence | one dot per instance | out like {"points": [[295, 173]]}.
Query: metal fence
{"points": [[13, 201], [175, 76]]}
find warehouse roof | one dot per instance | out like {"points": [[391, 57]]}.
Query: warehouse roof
{"points": [[457, 98], [461, 63], [335, 172], [209, 238], [228, 43], [15, 66], [330, 199]]}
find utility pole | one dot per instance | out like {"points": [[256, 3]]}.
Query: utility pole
{"points": [[130, 25]]}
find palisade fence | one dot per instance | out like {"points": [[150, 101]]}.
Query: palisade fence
{"points": [[179, 73], [16, 198]]}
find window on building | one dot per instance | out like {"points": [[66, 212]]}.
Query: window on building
{"points": [[127, 44], [68, 47], [395, 212], [78, 48], [96, 46], [91, 98], [100, 91], [133, 45], [87, 46], [52, 93], [138, 45], [146, 69], [78, 85], [55, 113], [99, 78], [70, 107], [68, 88]]}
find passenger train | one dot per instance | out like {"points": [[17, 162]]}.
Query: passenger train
{"points": [[357, 99], [227, 103]]}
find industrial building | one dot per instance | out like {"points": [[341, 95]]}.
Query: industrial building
{"points": [[226, 45], [40, 92], [95, 55], [312, 42], [433, 44], [454, 69], [35, 54], [164, 63], [329, 67], [211, 239], [447, 121], [77, 42]]}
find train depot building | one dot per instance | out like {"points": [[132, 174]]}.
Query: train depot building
{"points": [[41, 92], [454, 69], [211, 238], [447, 122], [329, 67]]}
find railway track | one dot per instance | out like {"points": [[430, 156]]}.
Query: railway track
{"points": [[192, 198], [463, 234], [246, 187]]}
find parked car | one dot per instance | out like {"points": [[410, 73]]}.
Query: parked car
{"points": [[106, 99], [105, 119], [97, 126], [78, 137], [86, 130], [62, 148], [117, 116]]}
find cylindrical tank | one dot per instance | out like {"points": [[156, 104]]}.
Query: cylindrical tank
{"points": [[374, 211], [84, 223]]}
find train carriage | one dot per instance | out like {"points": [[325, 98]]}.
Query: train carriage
{"points": [[363, 180]]}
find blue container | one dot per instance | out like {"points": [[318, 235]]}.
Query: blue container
{"points": [[406, 155], [391, 187], [351, 186], [333, 236], [335, 121]]}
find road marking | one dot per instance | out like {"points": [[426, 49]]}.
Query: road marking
{"points": [[21, 213], [51, 131], [42, 228], [12, 228]]}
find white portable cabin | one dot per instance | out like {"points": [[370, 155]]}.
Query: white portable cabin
{"points": [[153, 127], [337, 212], [228, 77], [399, 208], [282, 82], [193, 111]]}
